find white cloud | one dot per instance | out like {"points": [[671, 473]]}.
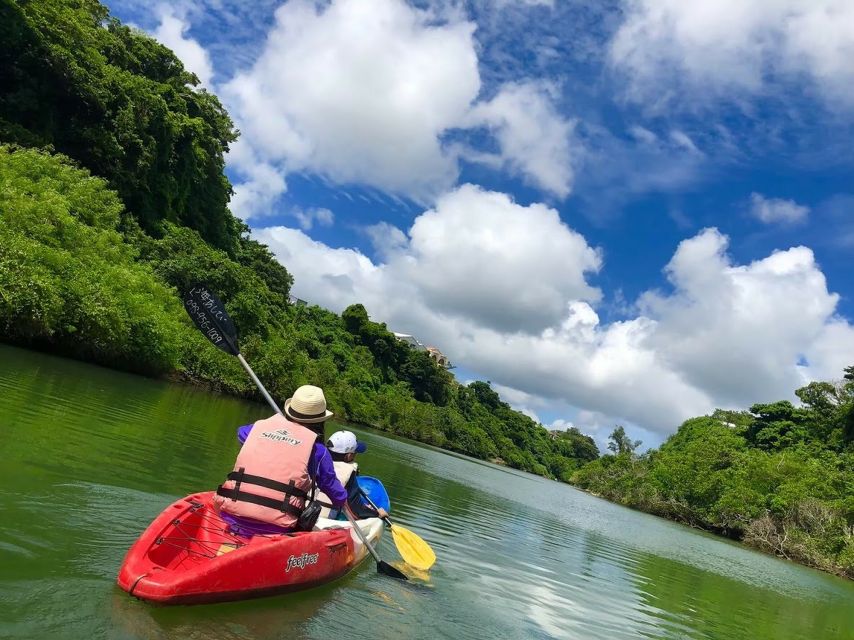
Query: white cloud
{"points": [[689, 51], [561, 425], [255, 196], [366, 93], [386, 239], [520, 401], [171, 32], [481, 256], [359, 92], [477, 256], [643, 135], [776, 210], [593, 421], [339, 276], [739, 331], [535, 140], [728, 335], [307, 217], [682, 140]]}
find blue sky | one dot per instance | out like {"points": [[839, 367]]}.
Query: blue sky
{"points": [[630, 213]]}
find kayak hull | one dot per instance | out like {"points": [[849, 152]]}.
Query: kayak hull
{"points": [[188, 555]]}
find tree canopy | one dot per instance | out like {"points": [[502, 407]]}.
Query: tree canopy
{"points": [[75, 80]]}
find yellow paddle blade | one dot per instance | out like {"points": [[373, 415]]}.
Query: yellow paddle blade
{"points": [[412, 548]]}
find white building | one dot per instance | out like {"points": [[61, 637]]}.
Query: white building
{"points": [[412, 341], [440, 358]]}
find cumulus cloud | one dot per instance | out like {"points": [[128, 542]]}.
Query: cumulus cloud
{"points": [[480, 255], [172, 32], [261, 185], [560, 425], [693, 50], [366, 93], [359, 92], [776, 210], [386, 239], [477, 256], [522, 402], [533, 137], [726, 335], [740, 330]]}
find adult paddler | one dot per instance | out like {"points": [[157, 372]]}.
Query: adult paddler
{"points": [[281, 460]]}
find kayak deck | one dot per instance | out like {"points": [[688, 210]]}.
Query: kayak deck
{"points": [[188, 554]]}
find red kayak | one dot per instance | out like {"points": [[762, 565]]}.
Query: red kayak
{"points": [[189, 555]]}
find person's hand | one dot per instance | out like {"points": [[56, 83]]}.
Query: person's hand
{"points": [[382, 513]]}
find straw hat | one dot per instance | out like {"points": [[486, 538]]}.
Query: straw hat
{"points": [[307, 405]]}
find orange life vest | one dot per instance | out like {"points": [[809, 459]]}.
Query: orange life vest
{"points": [[270, 480]]}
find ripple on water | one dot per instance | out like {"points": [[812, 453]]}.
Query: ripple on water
{"points": [[93, 456]]}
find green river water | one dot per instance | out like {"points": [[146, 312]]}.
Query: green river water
{"points": [[90, 456]]}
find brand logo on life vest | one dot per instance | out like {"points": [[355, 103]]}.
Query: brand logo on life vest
{"points": [[281, 435], [301, 561]]}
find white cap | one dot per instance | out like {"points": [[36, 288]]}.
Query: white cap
{"points": [[345, 442]]}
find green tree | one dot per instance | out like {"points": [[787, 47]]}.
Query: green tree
{"points": [[485, 395], [778, 425], [620, 443]]}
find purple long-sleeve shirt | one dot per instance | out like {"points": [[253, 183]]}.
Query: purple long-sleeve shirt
{"points": [[320, 468]]}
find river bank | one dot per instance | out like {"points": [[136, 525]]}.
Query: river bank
{"points": [[845, 572], [718, 474]]}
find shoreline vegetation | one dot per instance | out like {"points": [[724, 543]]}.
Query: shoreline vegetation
{"points": [[113, 198]]}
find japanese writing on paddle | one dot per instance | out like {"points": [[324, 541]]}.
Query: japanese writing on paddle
{"points": [[207, 313]]}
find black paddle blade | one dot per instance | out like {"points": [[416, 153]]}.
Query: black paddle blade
{"points": [[208, 314], [385, 568]]}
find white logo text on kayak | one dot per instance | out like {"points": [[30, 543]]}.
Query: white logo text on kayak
{"points": [[302, 560]]}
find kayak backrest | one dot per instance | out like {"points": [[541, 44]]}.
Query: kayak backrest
{"points": [[375, 491]]}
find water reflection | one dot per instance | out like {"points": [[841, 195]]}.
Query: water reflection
{"points": [[91, 456]]}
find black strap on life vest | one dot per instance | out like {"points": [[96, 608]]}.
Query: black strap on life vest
{"points": [[239, 476], [290, 490]]}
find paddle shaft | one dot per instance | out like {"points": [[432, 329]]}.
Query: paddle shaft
{"points": [[362, 535], [260, 386], [365, 495]]}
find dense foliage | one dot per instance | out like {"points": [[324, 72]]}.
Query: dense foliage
{"points": [[122, 105], [67, 277], [779, 477]]}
